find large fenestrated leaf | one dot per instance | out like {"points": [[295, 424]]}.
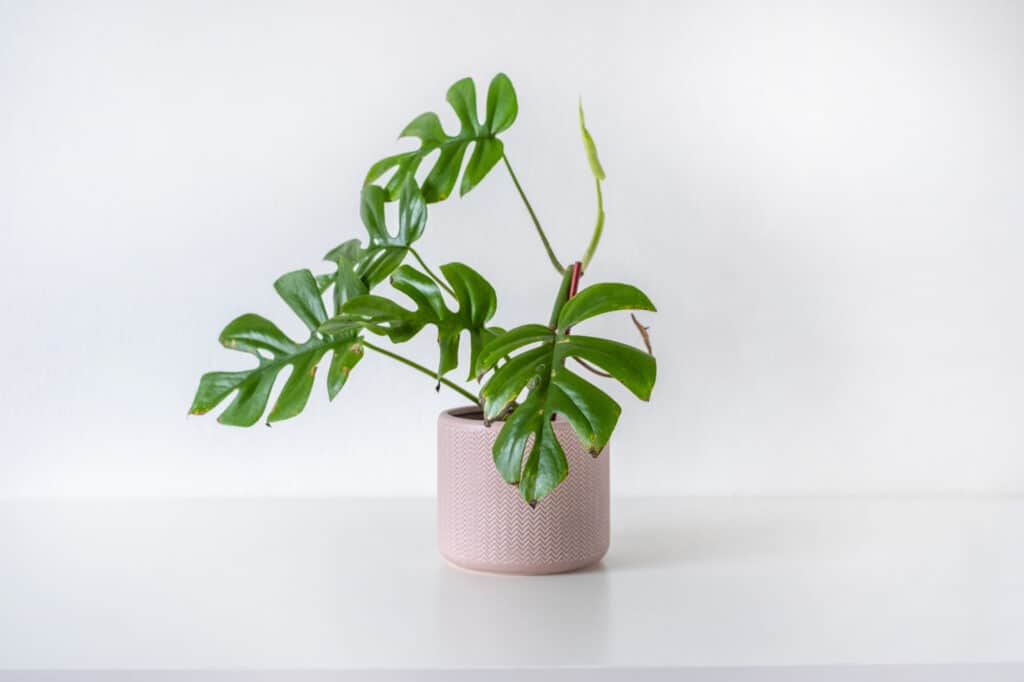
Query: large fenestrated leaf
{"points": [[381, 315], [537, 364], [501, 111], [275, 351]]}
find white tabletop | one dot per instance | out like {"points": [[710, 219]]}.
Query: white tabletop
{"points": [[692, 584]]}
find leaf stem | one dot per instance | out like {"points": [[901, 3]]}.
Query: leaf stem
{"points": [[598, 227], [590, 368], [434, 277], [598, 172], [420, 368], [561, 297], [533, 216]]}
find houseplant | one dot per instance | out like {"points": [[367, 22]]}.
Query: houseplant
{"points": [[561, 409]]}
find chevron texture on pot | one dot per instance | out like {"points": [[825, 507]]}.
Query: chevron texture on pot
{"points": [[483, 522]]}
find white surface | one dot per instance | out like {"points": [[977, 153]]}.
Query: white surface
{"points": [[822, 198], [335, 585]]}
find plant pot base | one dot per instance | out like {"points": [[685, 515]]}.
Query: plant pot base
{"points": [[553, 570]]}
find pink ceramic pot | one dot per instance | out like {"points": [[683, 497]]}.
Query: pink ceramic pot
{"points": [[484, 524]]}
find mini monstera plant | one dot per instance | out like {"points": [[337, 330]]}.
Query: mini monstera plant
{"points": [[523, 373]]}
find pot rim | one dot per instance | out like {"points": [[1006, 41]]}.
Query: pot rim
{"points": [[457, 417], [463, 413]]}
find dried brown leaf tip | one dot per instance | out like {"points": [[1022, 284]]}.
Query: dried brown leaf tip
{"points": [[643, 333]]}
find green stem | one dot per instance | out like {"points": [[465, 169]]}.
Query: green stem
{"points": [[560, 298], [420, 368], [598, 228], [434, 277], [533, 216]]}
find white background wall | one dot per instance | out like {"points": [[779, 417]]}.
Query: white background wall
{"points": [[824, 201]]}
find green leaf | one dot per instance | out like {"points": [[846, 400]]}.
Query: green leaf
{"points": [[537, 363], [299, 291], [345, 279], [347, 284], [526, 369], [379, 315], [406, 162], [386, 252], [342, 362], [412, 214], [441, 179], [546, 465], [477, 343], [350, 251], [486, 153], [427, 127], [502, 106], [598, 173], [250, 401], [510, 341], [325, 281], [476, 297], [590, 411], [590, 148], [635, 369], [359, 270], [293, 397], [251, 333], [462, 97], [598, 299], [213, 388], [275, 351], [371, 210], [514, 436]]}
